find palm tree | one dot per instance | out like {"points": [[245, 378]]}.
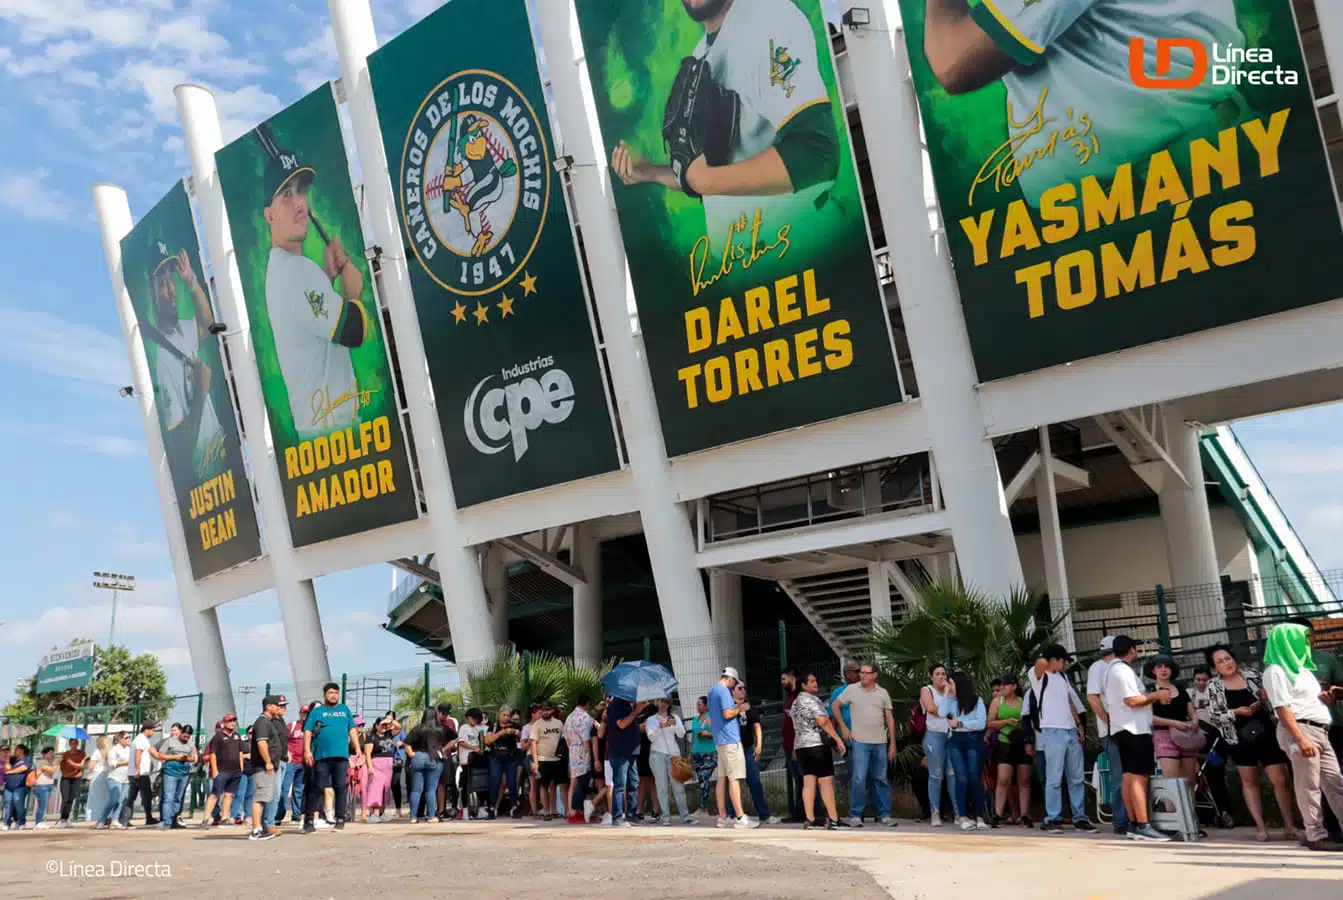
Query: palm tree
{"points": [[514, 681], [409, 698]]}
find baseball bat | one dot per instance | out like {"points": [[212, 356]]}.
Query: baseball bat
{"points": [[267, 142]]}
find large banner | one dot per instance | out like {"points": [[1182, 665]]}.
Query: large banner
{"points": [[62, 669], [1113, 174], [520, 392], [741, 214], [161, 263], [325, 374]]}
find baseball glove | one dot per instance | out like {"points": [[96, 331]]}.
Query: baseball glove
{"points": [[701, 119]]}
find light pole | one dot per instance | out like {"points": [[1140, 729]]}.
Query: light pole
{"points": [[247, 690], [114, 582]]}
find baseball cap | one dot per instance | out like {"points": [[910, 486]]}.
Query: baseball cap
{"points": [[282, 168], [148, 725], [275, 700], [1056, 651], [1108, 643], [229, 717], [730, 672], [1123, 644]]}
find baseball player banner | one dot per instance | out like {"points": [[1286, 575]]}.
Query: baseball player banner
{"points": [[325, 374], [160, 261], [1117, 172], [512, 355], [741, 215]]}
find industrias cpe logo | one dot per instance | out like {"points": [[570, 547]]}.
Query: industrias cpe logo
{"points": [[528, 396], [475, 182]]}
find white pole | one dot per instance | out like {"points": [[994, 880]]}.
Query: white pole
{"points": [[458, 566], [496, 587], [929, 303], [725, 609], [204, 642], [671, 548], [1051, 541], [298, 602], [587, 552], [1330, 15]]}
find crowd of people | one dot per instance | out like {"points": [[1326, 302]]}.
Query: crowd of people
{"points": [[615, 762]]}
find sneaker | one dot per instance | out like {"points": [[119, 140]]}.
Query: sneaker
{"points": [[773, 820], [965, 824], [1146, 833], [855, 822], [887, 821], [842, 823], [981, 825], [119, 826], [722, 823], [307, 828], [1026, 822], [830, 824], [746, 822], [1084, 826], [150, 823], [808, 826], [482, 814], [665, 821], [413, 820], [1226, 820], [204, 823], [321, 825], [935, 821], [254, 834], [606, 819], [339, 826], [1121, 830], [237, 820], [689, 820], [624, 823], [1325, 846], [1052, 828], [41, 826], [6, 829]]}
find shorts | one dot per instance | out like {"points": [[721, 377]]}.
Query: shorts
{"points": [[731, 762], [1137, 755], [817, 762], [226, 783], [1166, 748], [1010, 753], [642, 763], [551, 772], [1263, 752], [264, 783]]}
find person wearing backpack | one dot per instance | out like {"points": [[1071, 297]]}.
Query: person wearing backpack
{"points": [[17, 772], [1053, 711]]}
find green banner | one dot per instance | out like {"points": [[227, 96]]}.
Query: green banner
{"points": [[62, 669], [315, 324], [742, 218], [1113, 174], [512, 357], [160, 261]]}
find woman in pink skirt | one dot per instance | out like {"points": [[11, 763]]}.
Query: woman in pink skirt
{"points": [[379, 751]]}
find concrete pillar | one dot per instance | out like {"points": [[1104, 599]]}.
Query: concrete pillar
{"points": [[930, 306], [587, 556], [671, 548], [458, 565], [1051, 541], [298, 602], [725, 608], [1330, 16], [208, 663], [1195, 575], [496, 588], [879, 586]]}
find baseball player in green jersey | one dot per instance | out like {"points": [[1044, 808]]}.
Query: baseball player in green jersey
{"points": [[1073, 108], [181, 380], [315, 323], [748, 125]]}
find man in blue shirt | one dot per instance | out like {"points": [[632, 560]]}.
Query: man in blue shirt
{"points": [[622, 746], [328, 736], [724, 713]]}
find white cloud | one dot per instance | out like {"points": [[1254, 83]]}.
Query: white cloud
{"points": [[58, 625], [49, 345], [315, 62], [172, 657], [240, 110], [105, 444], [192, 36], [29, 195]]}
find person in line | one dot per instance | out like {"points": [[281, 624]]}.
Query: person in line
{"points": [[73, 764], [1129, 707], [665, 731], [1329, 673], [814, 754], [327, 738], [965, 750], [622, 745], [1303, 728], [179, 755], [356, 773], [788, 681], [725, 715], [117, 765], [1175, 732], [752, 744], [143, 754], [578, 735], [470, 741], [398, 761], [1054, 712], [1096, 675], [379, 752], [426, 745], [448, 798], [501, 743], [867, 727], [1238, 707], [291, 789], [648, 796], [703, 752], [242, 799], [223, 757], [1215, 751], [549, 769], [1009, 755], [936, 699], [46, 783], [270, 755]]}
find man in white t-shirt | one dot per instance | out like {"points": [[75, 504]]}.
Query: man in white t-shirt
{"points": [[1130, 711], [315, 323], [1095, 687], [140, 775], [1054, 711]]}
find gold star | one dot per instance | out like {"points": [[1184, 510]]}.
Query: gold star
{"points": [[506, 305], [459, 312], [528, 284], [482, 313]]}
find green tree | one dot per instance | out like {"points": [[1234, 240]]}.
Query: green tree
{"points": [[121, 681], [508, 682], [408, 699]]}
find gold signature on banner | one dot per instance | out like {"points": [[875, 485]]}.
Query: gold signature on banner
{"points": [[324, 405], [735, 252], [1006, 163]]}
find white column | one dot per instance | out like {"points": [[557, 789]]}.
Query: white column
{"points": [[587, 556], [208, 663], [1196, 593], [725, 608], [966, 466], [1051, 541], [463, 588], [496, 588], [298, 602], [879, 586], [1330, 16], [671, 549]]}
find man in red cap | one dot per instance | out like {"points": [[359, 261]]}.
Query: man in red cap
{"points": [[224, 757]]}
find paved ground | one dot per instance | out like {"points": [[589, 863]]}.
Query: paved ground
{"points": [[502, 859]]}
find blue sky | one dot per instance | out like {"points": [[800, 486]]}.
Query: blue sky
{"points": [[88, 97]]}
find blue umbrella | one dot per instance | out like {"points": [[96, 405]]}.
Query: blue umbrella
{"points": [[635, 681], [68, 732]]}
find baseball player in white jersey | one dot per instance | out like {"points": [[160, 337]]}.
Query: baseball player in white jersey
{"points": [[181, 380], [1069, 59], [315, 323], [783, 152]]}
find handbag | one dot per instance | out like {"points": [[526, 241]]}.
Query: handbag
{"points": [[1251, 732], [1189, 741], [31, 780], [682, 770]]}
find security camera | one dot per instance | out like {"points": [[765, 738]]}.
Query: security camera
{"points": [[217, 328], [127, 391], [563, 163]]}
